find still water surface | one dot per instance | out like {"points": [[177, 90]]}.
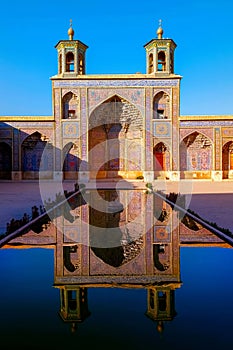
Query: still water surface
{"points": [[30, 304], [157, 294]]}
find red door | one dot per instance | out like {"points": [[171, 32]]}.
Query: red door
{"points": [[231, 161], [159, 161]]}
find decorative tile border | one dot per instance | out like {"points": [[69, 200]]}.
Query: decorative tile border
{"points": [[206, 123], [148, 136], [226, 132], [217, 149], [107, 83]]}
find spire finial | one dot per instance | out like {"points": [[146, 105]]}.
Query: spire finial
{"points": [[71, 31], [160, 30]]}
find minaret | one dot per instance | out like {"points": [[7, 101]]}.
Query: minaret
{"points": [[71, 56], [160, 54], [161, 305], [74, 304]]}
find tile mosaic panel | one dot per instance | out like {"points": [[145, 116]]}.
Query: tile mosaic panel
{"points": [[162, 234], [70, 129], [227, 132], [162, 129]]}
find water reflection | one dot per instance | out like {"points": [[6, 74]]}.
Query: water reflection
{"points": [[126, 240], [130, 245]]}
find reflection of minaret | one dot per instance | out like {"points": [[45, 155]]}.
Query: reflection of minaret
{"points": [[165, 247], [161, 304], [149, 261], [74, 305]]}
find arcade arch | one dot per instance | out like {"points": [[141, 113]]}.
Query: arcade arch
{"points": [[5, 161], [227, 160], [37, 157], [196, 156]]}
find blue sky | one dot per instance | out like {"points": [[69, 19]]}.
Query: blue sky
{"points": [[115, 33]]}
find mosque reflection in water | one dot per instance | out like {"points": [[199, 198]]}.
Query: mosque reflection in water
{"points": [[128, 248], [122, 239]]}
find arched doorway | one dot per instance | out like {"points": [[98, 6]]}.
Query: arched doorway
{"points": [[161, 106], [69, 106], [161, 160], [227, 160], [37, 157], [97, 152], [115, 127], [71, 162], [196, 156], [5, 161], [161, 61], [69, 62]]}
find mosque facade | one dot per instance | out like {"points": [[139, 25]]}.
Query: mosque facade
{"points": [[116, 126]]}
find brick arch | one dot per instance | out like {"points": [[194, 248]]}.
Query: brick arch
{"points": [[124, 118], [205, 132], [133, 96], [111, 95], [116, 122], [45, 134]]}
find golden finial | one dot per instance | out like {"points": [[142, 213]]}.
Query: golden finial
{"points": [[160, 30], [71, 31], [160, 327]]}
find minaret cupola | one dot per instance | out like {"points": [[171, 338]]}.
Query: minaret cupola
{"points": [[71, 56], [160, 54]]}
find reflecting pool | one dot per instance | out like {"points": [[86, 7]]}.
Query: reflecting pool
{"points": [[125, 271]]}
